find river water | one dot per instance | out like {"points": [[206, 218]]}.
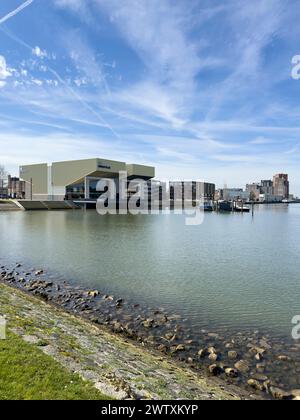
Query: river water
{"points": [[234, 271]]}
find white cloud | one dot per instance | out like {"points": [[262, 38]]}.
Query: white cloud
{"points": [[38, 52], [166, 94], [156, 31], [158, 34], [76, 5], [4, 73], [37, 82], [80, 82], [153, 99], [16, 11], [261, 141], [84, 58], [80, 7]]}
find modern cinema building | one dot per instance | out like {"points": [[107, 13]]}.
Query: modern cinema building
{"points": [[76, 180]]}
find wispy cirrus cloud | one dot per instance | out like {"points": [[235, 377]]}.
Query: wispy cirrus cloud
{"points": [[196, 86], [16, 11], [4, 72]]}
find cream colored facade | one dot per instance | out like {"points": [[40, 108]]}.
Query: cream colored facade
{"points": [[50, 182]]}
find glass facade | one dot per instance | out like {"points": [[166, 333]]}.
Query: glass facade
{"points": [[77, 191]]}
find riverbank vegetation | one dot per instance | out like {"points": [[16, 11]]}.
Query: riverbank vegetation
{"points": [[26, 373], [114, 365]]}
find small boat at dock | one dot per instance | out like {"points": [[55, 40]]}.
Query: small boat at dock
{"points": [[241, 208], [225, 206], [207, 207]]}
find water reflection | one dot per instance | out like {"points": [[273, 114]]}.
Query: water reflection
{"points": [[232, 271]]}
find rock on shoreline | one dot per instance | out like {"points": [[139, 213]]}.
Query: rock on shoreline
{"points": [[243, 360], [116, 366]]}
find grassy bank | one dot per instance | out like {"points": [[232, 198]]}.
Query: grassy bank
{"points": [[115, 366], [26, 373]]}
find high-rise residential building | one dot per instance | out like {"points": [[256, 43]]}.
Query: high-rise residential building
{"points": [[267, 187], [281, 186], [267, 190]]}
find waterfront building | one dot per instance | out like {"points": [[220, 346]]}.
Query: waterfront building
{"points": [[76, 180], [268, 198], [235, 194], [16, 188], [3, 183], [267, 191], [3, 191], [254, 191], [203, 190], [267, 187], [281, 186], [218, 195]]}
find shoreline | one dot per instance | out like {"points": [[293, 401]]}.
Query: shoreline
{"points": [[117, 367], [252, 363]]}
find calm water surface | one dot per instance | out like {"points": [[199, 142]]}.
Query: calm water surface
{"points": [[234, 271]]}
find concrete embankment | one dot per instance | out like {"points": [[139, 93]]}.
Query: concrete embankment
{"points": [[118, 367], [8, 205]]}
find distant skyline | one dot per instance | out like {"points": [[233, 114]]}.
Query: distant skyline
{"points": [[200, 89]]}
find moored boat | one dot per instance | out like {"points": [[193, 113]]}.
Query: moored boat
{"points": [[225, 206], [241, 208], [207, 207]]}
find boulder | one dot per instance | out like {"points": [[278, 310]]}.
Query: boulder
{"points": [[213, 335], [148, 323], [259, 350], [279, 394], [242, 366], [260, 368], [39, 272], [93, 293], [259, 377], [213, 357], [215, 370], [202, 353], [232, 373], [255, 384], [163, 348], [264, 344], [170, 336], [117, 327], [258, 357], [229, 346], [284, 358], [296, 393], [232, 355], [180, 347]]}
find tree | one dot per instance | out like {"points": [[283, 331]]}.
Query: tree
{"points": [[252, 196]]}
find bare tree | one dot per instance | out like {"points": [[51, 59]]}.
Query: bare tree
{"points": [[252, 196]]}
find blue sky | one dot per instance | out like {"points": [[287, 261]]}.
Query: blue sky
{"points": [[202, 89]]}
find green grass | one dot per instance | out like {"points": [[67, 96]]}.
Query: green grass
{"points": [[26, 373]]}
